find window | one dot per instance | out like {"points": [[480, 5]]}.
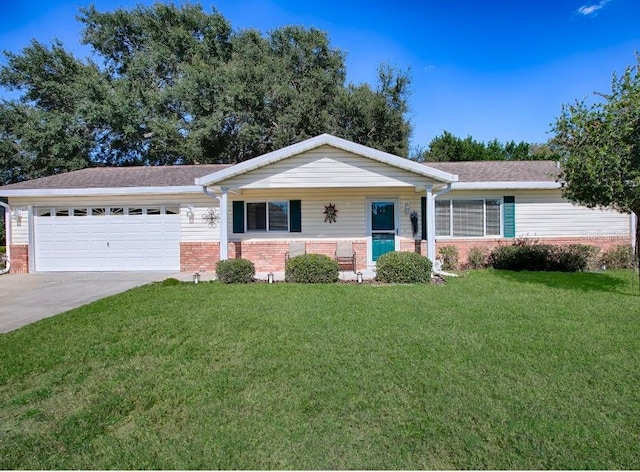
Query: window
{"points": [[135, 211], [468, 218], [268, 216], [172, 210], [43, 212], [62, 212], [98, 211], [153, 210], [80, 212]]}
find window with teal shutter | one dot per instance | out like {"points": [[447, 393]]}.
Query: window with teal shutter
{"points": [[509, 217], [295, 216], [238, 216]]}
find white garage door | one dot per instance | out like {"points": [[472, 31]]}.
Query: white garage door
{"points": [[107, 238]]}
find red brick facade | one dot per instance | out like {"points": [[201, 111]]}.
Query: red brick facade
{"points": [[270, 256], [199, 257], [464, 245], [19, 258]]}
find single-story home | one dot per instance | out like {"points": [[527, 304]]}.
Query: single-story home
{"points": [[320, 191]]}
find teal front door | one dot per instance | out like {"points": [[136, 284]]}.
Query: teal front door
{"points": [[383, 228]]}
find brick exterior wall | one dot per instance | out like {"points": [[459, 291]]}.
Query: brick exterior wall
{"points": [[199, 257], [19, 259], [270, 256], [464, 245]]}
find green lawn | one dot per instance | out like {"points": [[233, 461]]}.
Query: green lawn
{"points": [[493, 370]]}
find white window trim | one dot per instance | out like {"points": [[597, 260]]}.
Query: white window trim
{"points": [[484, 210], [266, 230]]}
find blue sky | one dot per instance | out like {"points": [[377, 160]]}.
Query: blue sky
{"points": [[487, 69]]}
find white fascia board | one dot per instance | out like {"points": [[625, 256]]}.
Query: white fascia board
{"points": [[323, 140], [72, 192], [505, 186]]}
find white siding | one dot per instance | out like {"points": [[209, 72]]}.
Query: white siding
{"points": [[351, 219], [325, 167], [547, 214], [195, 229], [20, 227]]}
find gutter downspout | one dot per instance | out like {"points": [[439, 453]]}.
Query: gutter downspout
{"points": [[224, 230], [7, 229]]}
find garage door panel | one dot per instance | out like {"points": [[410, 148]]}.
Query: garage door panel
{"points": [[112, 242]]}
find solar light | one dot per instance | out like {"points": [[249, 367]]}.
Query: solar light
{"points": [[359, 277], [196, 277], [270, 277]]}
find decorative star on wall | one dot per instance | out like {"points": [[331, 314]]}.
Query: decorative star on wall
{"points": [[330, 213]]}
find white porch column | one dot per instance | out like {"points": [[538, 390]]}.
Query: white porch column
{"points": [[224, 225], [431, 225]]}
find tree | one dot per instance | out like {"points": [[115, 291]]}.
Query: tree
{"points": [[52, 127], [599, 148], [176, 85], [451, 148]]}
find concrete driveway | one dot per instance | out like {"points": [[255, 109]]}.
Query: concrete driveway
{"points": [[26, 298]]}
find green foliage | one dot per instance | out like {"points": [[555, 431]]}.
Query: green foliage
{"points": [[170, 282], [599, 147], [177, 85], [235, 271], [188, 377], [312, 269], [449, 255], [618, 257], [448, 147], [403, 268], [477, 258], [542, 257]]}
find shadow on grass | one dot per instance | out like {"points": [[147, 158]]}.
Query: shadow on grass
{"points": [[623, 284]]}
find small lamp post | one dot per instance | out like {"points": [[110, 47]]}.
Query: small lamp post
{"points": [[270, 277], [196, 277], [359, 277]]}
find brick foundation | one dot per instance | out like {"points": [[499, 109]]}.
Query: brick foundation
{"points": [[19, 259], [464, 245], [199, 257], [269, 256]]}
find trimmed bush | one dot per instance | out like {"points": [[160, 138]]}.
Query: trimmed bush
{"points": [[449, 257], [235, 271], [542, 257], [311, 269], [403, 268], [171, 281], [477, 258], [618, 257]]}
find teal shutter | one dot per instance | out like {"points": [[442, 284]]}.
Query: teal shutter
{"points": [[238, 216], [423, 216], [295, 216], [509, 212]]}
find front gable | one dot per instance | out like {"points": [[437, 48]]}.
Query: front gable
{"points": [[326, 167], [329, 162]]}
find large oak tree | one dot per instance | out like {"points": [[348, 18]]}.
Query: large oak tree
{"points": [[176, 84]]}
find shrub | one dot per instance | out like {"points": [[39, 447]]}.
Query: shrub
{"points": [[170, 282], [235, 271], [477, 258], [617, 257], [521, 257], [311, 269], [542, 257], [403, 267], [449, 257], [588, 253]]}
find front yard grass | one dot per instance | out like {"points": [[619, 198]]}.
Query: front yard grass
{"points": [[493, 370]]}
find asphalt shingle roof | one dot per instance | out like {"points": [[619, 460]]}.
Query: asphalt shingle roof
{"points": [[500, 171], [169, 176], [115, 177]]}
